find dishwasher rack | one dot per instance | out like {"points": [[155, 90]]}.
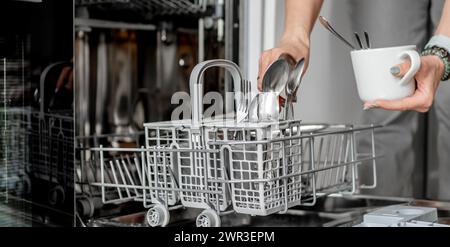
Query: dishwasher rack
{"points": [[151, 7], [222, 166], [14, 177], [123, 163], [38, 146]]}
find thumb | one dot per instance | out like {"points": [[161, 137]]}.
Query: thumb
{"points": [[400, 70]]}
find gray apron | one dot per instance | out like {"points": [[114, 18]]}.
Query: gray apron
{"points": [[416, 146]]}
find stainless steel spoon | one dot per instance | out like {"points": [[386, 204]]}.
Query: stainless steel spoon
{"points": [[328, 26], [292, 86], [276, 77]]}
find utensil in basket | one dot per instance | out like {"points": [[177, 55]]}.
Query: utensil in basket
{"points": [[292, 87], [242, 108]]}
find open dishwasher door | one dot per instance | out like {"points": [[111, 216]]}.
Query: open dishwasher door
{"points": [[36, 114]]}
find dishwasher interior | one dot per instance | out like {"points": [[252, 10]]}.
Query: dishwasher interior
{"points": [[130, 58]]}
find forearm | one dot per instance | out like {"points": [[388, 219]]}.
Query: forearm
{"points": [[444, 24], [300, 16]]}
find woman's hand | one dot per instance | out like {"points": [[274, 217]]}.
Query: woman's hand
{"points": [[428, 78], [292, 45]]}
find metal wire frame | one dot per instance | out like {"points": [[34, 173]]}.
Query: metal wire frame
{"points": [[88, 166], [151, 7]]}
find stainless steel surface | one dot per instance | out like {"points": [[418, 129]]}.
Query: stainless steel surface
{"points": [[268, 107], [366, 35], [328, 26], [358, 40], [82, 70], [93, 23], [274, 82], [253, 109], [292, 86]]}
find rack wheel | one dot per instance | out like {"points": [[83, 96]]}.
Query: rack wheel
{"points": [[158, 216], [208, 218], [85, 206], [56, 196]]}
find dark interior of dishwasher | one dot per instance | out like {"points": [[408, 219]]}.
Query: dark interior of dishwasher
{"points": [[37, 122]]}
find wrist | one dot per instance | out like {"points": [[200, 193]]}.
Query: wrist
{"points": [[439, 46], [439, 65], [298, 36], [441, 58]]}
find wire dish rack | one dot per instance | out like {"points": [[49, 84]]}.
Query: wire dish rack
{"points": [[222, 166], [37, 144], [151, 7], [122, 164], [14, 145]]}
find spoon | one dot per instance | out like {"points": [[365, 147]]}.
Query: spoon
{"points": [[276, 77], [292, 86], [328, 26]]}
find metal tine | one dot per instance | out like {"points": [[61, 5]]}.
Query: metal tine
{"points": [[347, 150], [129, 161], [340, 161], [123, 177], [332, 154], [111, 163], [319, 159], [138, 167], [124, 164]]}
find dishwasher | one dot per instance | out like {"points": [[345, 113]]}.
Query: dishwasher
{"points": [[217, 170], [136, 167]]}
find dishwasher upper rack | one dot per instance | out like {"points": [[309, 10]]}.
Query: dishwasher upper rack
{"points": [[151, 7]]}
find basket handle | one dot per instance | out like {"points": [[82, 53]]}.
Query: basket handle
{"points": [[196, 85], [43, 81]]}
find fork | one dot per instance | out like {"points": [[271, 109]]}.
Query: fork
{"points": [[242, 109]]}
